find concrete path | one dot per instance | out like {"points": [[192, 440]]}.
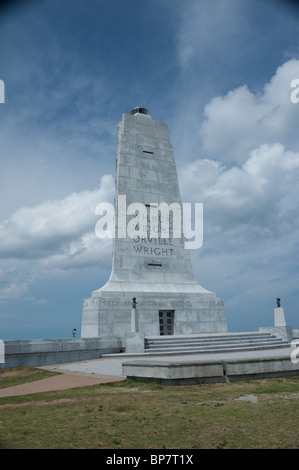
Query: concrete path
{"points": [[62, 381]]}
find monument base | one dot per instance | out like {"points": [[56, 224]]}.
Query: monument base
{"points": [[192, 310], [134, 343]]}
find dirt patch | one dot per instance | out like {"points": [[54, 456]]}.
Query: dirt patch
{"points": [[251, 398]]}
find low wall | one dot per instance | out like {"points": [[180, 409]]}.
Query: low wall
{"points": [[40, 352], [261, 368], [175, 373], [197, 372]]}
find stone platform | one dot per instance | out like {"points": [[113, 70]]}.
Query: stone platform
{"points": [[224, 363], [199, 369], [213, 358]]}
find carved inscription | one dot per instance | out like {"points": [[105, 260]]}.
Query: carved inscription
{"points": [[154, 246], [142, 303]]}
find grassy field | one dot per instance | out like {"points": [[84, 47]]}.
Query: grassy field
{"points": [[261, 414]]}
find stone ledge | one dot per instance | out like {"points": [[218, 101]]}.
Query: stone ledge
{"points": [[200, 372]]}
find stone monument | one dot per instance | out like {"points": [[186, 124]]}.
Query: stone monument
{"points": [[151, 268]]}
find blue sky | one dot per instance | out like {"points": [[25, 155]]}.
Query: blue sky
{"points": [[218, 73]]}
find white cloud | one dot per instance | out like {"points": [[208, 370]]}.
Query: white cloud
{"points": [[239, 122], [248, 182], [50, 239], [86, 251], [52, 226], [256, 194], [14, 291], [261, 198]]}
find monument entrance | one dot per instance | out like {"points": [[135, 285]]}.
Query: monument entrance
{"points": [[166, 322], [150, 258]]}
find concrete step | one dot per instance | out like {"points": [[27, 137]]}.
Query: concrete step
{"points": [[208, 337], [213, 344], [217, 342], [236, 346], [153, 343]]}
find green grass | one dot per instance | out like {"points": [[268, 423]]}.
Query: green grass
{"points": [[131, 415]]}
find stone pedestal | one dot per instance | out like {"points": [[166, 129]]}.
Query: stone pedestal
{"points": [[134, 342], [279, 318], [134, 320], [280, 328]]}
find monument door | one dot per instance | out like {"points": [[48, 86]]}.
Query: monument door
{"points": [[166, 322]]}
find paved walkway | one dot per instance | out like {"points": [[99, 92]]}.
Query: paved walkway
{"points": [[62, 381]]}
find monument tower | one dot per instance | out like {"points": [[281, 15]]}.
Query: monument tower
{"points": [[150, 266]]}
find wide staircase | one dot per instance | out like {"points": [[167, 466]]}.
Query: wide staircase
{"points": [[212, 343]]}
